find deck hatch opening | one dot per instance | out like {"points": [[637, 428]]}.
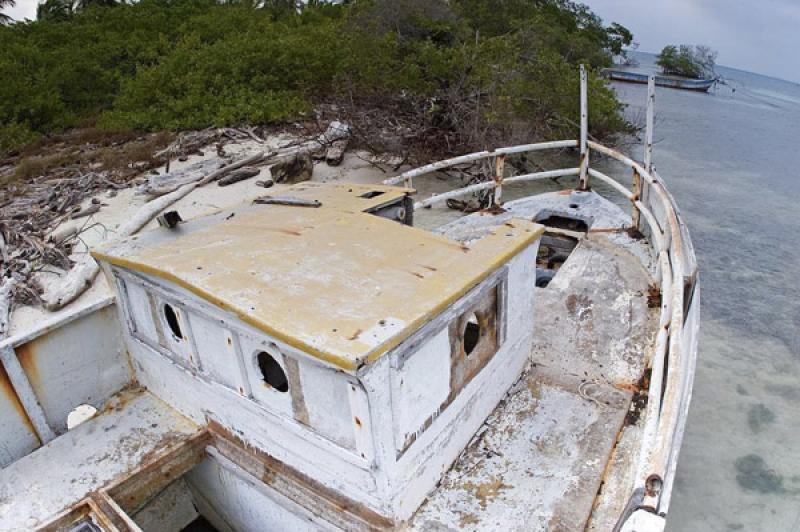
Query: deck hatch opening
{"points": [[563, 222], [271, 372], [472, 333], [171, 316], [554, 251]]}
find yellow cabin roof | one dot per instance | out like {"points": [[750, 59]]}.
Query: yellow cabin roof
{"points": [[335, 282]]}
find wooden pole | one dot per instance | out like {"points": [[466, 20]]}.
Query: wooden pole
{"points": [[636, 217]]}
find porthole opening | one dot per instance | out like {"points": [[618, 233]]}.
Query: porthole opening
{"points": [[472, 334], [172, 321], [272, 372]]}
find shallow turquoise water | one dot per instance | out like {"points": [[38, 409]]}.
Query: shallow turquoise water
{"points": [[732, 161]]}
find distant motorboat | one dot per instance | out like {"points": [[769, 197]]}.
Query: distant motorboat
{"points": [[674, 82]]}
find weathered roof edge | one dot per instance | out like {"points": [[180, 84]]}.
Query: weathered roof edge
{"points": [[341, 362]]}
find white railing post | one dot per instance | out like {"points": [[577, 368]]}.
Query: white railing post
{"points": [[499, 169], [648, 139], [642, 190], [648, 135], [584, 163]]}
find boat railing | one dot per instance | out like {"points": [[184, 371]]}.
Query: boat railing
{"points": [[654, 214]]}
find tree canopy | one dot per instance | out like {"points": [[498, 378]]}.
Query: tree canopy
{"points": [[687, 60], [506, 67], [63, 9]]}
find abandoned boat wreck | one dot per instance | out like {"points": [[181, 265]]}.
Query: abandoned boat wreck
{"points": [[314, 361]]}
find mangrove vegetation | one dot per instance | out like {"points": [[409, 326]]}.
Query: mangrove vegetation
{"points": [[443, 76], [687, 61]]}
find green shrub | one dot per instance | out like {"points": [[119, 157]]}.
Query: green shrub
{"points": [[14, 136], [500, 65]]}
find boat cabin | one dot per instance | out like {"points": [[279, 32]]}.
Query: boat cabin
{"points": [[321, 330]]}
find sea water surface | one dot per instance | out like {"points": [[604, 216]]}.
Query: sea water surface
{"points": [[732, 161]]}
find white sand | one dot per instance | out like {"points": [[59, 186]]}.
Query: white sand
{"points": [[101, 227]]}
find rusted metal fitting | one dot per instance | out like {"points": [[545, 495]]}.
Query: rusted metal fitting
{"points": [[653, 485]]}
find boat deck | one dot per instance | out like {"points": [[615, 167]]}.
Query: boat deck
{"points": [[539, 460], [133, 427], [536, 464]]}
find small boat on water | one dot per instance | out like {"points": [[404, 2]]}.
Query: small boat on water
{"points": [[313, 360], [674, 82]]}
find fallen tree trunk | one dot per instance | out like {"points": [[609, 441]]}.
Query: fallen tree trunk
{"points": [[253, 159]]}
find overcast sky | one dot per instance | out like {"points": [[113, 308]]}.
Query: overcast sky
{"points": [[24, 9], [761, 36]]}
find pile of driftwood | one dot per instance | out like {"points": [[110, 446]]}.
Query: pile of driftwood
{"points": [[30, 213], [288, 164]]}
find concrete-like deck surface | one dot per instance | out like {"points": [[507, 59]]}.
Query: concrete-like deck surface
{"points": [[538, 462]]}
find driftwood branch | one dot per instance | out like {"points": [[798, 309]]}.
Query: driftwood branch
{"points": [[238, 175], [88, 211], [213, 176], [6, 300], [80, 277], [168, 188], [3, 249]]}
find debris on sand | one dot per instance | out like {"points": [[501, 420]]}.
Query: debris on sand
{"points": [[36, 204]]}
